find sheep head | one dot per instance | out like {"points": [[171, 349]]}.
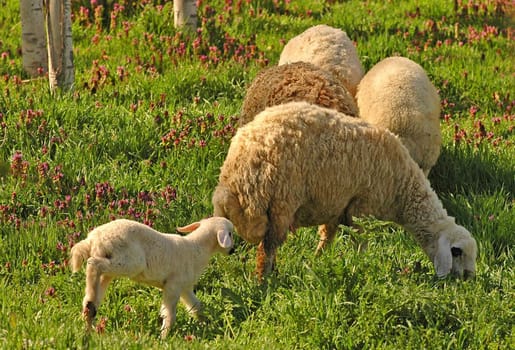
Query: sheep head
{"points": [[221, 226], [455, 252], [249, 225]]}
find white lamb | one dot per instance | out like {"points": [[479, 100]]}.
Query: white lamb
{"points": [[328, 48], [173, 263], [299, 164], [397, 94]]}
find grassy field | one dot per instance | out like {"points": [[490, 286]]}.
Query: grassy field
{"points": [[143, 136]]}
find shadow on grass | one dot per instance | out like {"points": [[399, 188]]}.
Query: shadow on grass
{"points": [[238, 298], [477, 186], [470, 171]]}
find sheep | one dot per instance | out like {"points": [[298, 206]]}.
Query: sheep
{"points": [[299, 81], [173, 263], [298, 165], [397, 94], [328, 48]]}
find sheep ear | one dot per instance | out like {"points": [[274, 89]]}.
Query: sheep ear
{"points": [[443, 258], [224, 239], [189, 228]]}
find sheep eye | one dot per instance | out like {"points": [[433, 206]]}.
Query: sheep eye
{"points": [[456, 251]]}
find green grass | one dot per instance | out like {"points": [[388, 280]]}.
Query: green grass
{"points": [[143, 136]]}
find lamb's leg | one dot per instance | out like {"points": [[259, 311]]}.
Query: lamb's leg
{"points": [[104, 283], [92, 298], [193, 305], [99, 273], [168, 308]]}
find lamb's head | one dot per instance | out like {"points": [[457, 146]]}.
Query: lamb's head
{"points": [[219, 228], [455, 252]]}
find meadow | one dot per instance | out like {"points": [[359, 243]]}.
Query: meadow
{"points": [[143, 135]]}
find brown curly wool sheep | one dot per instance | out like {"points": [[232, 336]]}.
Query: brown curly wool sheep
{"points": [[328, 48], [299, 164], [397, 94], [300, 81]]}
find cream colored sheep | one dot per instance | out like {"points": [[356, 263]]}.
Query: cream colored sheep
{"points": [[173, 263], [328, 48], [300, 81], [299, 165], [397, 94]]}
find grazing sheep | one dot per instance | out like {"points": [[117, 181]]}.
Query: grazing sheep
{"points": [[298, 165], [125, 248], [328, 48], [397, 94], [299, 81]]}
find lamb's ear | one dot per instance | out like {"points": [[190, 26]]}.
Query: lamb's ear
{"points": [[224, 238], [189, 228], [443, 258]]}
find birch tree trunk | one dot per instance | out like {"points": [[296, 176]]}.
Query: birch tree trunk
{"points": [[33, 38], [185, 14], [60, 46]]}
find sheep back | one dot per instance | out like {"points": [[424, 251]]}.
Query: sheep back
{"points": [[299, 81], [397, 94], [328, 48]]}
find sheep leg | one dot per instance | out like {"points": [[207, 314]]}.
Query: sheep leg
{"points": [[274, 237], [265, 259], [193, 305], [327, 233], [168, 308], [260, 260]]}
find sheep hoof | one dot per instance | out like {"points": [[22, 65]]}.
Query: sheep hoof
{"points": [[89, 312]]}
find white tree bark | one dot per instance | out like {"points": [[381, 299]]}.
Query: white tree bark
{"points": [[60, 46], [185, 14], [33, 43]]}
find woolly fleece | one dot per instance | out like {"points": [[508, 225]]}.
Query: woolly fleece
{"points": [[397, 94], [328, 48], [299, 81]]}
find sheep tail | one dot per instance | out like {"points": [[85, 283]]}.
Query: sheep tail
{"points": [[79, 253]]}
